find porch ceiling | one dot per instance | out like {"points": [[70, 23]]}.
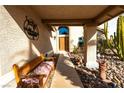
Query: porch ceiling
{"points": [[68, 12], [76, 14]]}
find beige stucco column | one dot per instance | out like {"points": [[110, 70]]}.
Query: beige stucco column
{"points": [[90, 46]]}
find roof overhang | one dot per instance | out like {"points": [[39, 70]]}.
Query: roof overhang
{"points": [[77, 14]]}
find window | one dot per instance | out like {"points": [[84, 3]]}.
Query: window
{"points": [[63, 30]]}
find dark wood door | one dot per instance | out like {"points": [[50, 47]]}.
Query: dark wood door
{"points": [[64, 43]]}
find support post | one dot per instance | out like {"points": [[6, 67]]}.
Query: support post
{"points": [[90, 46]]}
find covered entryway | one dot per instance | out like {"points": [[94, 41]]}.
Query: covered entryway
{"points": [[46, 17]]}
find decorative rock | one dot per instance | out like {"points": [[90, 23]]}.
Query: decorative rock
{"points": [[90, 78]]}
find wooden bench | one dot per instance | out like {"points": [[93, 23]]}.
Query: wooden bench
{"points": [[23, 71]]}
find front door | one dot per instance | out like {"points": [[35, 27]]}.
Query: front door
{"points": [[63, 38], [64, 43]]}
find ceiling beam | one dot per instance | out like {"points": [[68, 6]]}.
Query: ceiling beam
{"points": [[105, 12], [111, 17], [68, 22], [121, 6], [65, 24]]}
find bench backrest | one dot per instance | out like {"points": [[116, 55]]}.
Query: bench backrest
{"points": [[26, 68]]}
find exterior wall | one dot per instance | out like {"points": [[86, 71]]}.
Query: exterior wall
{"points": [[74, 34], [54, 41], [15, 47]]}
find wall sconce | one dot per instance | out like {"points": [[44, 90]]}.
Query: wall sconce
{"points": [[54, 37]]}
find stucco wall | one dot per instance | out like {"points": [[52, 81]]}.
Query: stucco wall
{"points": [[74, 32], [53, 40], [15, 47]]}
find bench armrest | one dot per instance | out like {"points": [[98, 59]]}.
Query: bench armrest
{"points": [[49, 59]]}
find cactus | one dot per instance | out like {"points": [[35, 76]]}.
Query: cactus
{"points": [[119, 37], [106, 33], [118, 40]]}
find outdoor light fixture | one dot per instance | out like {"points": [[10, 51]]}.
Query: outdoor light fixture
{"points": [[31, 29]]}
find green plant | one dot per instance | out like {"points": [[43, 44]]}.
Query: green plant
{"points": [[116, 43], [119, 37], [101, 44], [75, 50]]}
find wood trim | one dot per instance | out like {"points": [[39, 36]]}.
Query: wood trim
{"points": [[67, 22]]}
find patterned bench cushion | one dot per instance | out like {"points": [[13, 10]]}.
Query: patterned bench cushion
{"points": [[29, 82], [32, 79], [44, 68]]}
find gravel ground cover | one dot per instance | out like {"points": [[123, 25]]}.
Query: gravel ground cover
{"points": [[90, 77]]}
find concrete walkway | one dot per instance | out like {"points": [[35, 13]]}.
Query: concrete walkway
{"points": [[65, 75]]}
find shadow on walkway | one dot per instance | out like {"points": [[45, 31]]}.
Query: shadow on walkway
{"points": [[66, 75]]}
